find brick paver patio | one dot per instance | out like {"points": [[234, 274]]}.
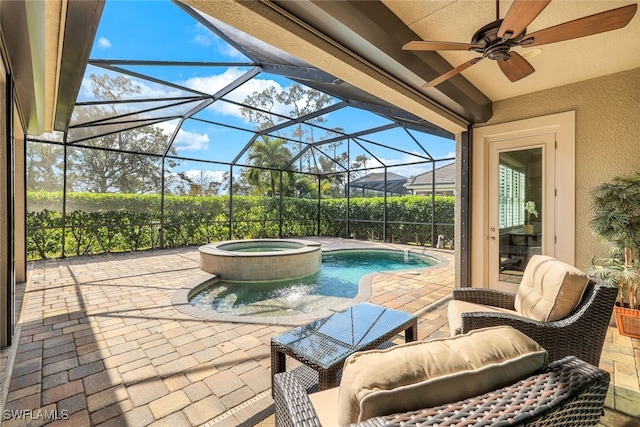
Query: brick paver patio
{"points": [[101, 344]]}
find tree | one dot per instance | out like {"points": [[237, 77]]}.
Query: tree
{"points": [[299, 101], [110, 167], [358, 164], [331, 173], [240, 185], [268, 157], [198, 183], [303, 186], [45, 163]]}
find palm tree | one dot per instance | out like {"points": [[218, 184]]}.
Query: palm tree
{"points": [[331, 180], [268, 157]]}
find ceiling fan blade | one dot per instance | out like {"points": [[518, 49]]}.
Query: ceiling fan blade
{"points": [[519, 16], [516, 67], [593, 24], [422, 45], [449, 74]]}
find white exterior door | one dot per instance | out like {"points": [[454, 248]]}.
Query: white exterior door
{"points": [[521, 205], [515, 166]]}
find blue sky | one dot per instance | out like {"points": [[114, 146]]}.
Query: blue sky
{"points": [[160, 30]]}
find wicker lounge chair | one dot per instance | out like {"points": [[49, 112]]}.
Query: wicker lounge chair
{"points": [[581, 334], [569, 392]]}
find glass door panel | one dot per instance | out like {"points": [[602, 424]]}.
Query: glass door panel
{"points": [[520, 210]]}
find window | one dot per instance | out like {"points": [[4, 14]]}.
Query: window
{"points": [[511, 193]]}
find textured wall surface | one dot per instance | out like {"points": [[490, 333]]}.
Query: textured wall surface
{"points": [[4, 213], [607, 137], [20, 203]]}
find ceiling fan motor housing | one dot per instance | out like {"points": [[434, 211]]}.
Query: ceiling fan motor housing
{"points": [[490, 45]]}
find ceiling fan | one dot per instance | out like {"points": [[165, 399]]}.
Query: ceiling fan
{"points": [[495, 40]]}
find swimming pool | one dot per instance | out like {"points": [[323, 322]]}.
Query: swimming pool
{"points": [[337, 281]]}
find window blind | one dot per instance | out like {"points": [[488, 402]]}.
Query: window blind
{"points": [[511, 197]]}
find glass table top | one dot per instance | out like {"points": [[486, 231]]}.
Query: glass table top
{"points": [[330, 340]]}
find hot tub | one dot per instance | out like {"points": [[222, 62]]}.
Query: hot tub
{"points": [[261, 259]]}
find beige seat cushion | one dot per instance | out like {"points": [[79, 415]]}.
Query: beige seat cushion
{"points": [[325, 403], [457, 307], [550, 289], [424, 374]]}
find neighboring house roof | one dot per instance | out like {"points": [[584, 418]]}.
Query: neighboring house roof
{"points": [[444, 175], [375, 181]]}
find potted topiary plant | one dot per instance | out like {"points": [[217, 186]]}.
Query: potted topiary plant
{"points": [[616, 207], [530, 207]]}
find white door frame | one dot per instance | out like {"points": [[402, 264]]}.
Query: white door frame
{"points": [[562, 125]]}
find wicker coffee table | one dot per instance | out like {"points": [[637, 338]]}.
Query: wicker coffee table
{"points": [[324, 344]]}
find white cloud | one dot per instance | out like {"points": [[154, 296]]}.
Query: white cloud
{"points": [[195, 174], [229, 51], [104, 43], [212, 84], [412, 170], [148, 90], [206, 84], [151, 90], [203, 39], [191, 141], [203, 36], [185, 140]]}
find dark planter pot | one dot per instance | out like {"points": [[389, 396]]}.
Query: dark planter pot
{"points": [[628, 321]]}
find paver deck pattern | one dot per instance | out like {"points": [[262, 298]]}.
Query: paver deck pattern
{"points": [[100, 343]]}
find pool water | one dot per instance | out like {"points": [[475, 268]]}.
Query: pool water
{"points": [[337, 280], [261, 249]]}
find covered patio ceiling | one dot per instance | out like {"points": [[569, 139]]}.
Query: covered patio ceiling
{"points": [[376, 30]]}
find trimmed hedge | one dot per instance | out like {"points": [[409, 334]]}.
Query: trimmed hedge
{"points": [[103, 223]]}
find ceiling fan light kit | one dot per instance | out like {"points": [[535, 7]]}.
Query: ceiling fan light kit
{"points": [[496, 39]]}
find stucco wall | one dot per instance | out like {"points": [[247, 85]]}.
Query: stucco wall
{"points": [[607, 137], [20, 201], [4, 214]]}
